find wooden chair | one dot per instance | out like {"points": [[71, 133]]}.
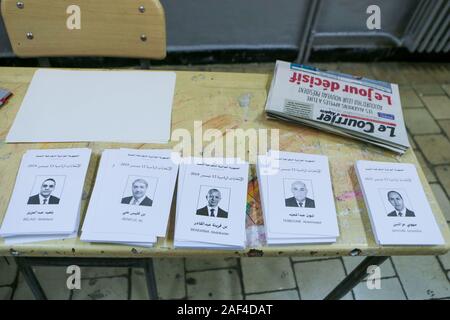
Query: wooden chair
{"points": [[102, 28]]}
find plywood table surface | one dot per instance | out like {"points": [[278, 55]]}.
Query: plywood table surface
{"points": [[222, 101]]}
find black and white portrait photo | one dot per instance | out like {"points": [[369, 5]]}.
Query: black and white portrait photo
{"points": [[398, 205], [139, 191], [213, 202], [46, 190], [298, 193]]}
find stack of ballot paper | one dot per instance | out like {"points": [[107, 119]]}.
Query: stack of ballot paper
{"points": [[45, 204], [297, 198], [211, 204], [398, 208], [132, 196]]}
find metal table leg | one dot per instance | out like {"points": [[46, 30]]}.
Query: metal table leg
{"points": [[151, 280], [30, 278], [355, 277]]}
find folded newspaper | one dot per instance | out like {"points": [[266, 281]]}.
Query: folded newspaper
{"points": [[364, 109]]}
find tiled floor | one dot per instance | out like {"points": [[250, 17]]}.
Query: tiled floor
{"points": [[247, 278], [425, 94]]}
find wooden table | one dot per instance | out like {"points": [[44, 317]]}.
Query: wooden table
{"points": [[219, 100]]}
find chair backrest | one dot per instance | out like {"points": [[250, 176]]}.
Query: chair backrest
{"points": [[107, 28]]}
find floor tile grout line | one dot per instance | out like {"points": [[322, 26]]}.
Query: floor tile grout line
{"points": [[296, 288], [441, 265], [295, 278], [442, 129], [315, 260], [439, 298], [415, 142], [6, 260], [383, 278], [399, 279], [10, 294], [231, 268], [432, 95], [410, 135], [14, 285], [269, 291], [440, 182], [124, 275], [406, 107], [185, 279], [428, 108], [445, 194], [431, 167], [211, 269], [11, 285], [428, 134]]}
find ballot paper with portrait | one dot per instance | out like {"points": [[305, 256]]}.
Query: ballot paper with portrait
{"points": [[397, 205], [297, 198], [45, 203], [132, 196], [211, 204]]}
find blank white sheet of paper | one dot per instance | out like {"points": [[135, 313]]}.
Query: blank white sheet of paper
{"points": [[109, 106]]}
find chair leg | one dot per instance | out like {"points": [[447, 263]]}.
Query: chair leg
{"points": [[150, 278]]}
